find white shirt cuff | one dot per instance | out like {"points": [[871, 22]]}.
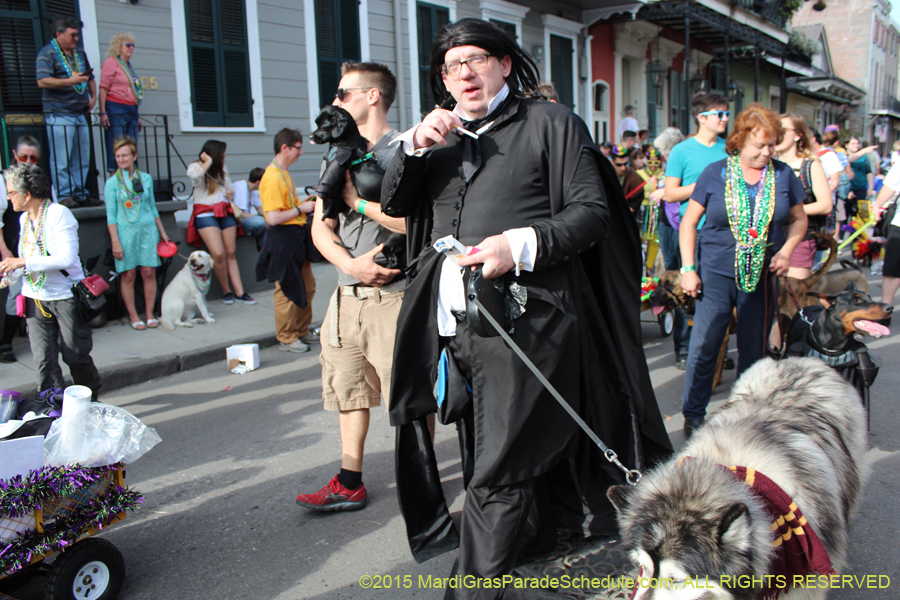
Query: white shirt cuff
{"points": [[405, 140], [523, 245]]}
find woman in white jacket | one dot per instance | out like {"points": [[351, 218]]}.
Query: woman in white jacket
{"points": [[48, 245]]}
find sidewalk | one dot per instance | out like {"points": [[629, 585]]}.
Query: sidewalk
{"points": [[126, 357]]}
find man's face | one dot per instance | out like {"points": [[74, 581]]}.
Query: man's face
{"points": [[713, 122], [26, 154], [68, 39], [474, 90], [620, 163], [291, 152], [853, 145], [356, 97], [629, 143], [606, 151]]}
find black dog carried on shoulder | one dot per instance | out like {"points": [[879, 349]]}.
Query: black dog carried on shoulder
{"points": [[834, 332], [349, 152]]}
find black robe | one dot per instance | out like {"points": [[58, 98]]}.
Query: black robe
{"points": [[536, 166]]}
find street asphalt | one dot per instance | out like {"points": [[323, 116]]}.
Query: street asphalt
{"points": [[220, 520]]}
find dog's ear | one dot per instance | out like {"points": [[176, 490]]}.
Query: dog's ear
{"points": [[212, 262], [340, 119], [824, 300], [851, 287], [620, 496], [735, 529]]}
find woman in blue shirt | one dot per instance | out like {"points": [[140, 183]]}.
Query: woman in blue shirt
{"points": [[754, 221]]}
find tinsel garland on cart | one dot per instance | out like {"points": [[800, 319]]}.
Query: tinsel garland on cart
{"points": [[19, 495], [648, 284]]}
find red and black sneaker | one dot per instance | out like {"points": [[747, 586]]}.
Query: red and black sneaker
{"points": [[334, 496]]}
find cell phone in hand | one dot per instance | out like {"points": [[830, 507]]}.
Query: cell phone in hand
{"points": [[88, 72]]}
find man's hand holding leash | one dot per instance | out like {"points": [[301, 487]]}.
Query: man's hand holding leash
{"points": [[691, 284], [494, 252]]}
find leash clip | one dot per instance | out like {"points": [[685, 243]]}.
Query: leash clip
{"points": [[631, 476]]}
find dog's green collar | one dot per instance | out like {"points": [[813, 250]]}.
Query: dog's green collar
{"points": [[368, 156]]}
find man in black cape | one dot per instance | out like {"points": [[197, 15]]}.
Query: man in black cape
{"points": [[544, 209]]}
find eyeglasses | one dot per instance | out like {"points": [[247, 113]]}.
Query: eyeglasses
{"points": [[28, 158], [129, 45], [300, 147], [476, 63], [620, 165], [719, 113], [342, 92]]}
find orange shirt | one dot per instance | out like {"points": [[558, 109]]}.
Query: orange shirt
{"points": [[277, 192]]}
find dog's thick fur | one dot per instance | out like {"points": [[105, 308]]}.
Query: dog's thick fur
{"points": [[797, 422], [182, 294], [337, 127]]}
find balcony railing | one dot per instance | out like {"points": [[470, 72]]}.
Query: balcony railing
{"points": [[77, 158], [771, 10], [891, 104]]}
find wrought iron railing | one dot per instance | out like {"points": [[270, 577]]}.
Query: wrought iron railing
{"points": [[771, 10], [78, 157]]}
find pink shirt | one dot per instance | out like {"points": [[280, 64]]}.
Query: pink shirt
{"points": [[115, 82]]}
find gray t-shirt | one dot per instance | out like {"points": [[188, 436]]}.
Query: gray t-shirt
{"points": [[64, 99], [358, 233]]}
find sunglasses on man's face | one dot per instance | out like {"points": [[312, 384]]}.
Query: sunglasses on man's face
{"points": [[620, 165], [719, 113], [341, 93], [28, 158]]}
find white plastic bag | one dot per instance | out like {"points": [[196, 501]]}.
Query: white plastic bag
{"points": [[100, 434]]}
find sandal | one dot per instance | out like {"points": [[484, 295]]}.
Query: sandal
{"points": [[152, 323], [138, 326]]}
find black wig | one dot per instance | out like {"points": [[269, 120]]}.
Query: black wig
{"points": [[523, 79]]}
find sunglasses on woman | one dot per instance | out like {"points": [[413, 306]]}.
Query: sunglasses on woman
{"points": [[129, 45], [28, 158], [341, 93]]}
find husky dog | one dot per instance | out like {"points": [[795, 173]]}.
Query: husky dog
{"points": [[700, 532]]}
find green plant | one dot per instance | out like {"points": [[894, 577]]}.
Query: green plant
{"points": [[803, 44]]}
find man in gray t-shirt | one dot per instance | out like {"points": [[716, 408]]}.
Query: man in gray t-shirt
{"points": [[69, 93], [358, 332]]}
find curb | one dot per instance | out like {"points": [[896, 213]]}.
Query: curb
{"points": [[120, 376]]}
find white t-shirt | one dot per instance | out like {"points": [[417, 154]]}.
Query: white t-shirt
{"points": [[61, 237], [627, 124], [831, 164], [244, 198]]}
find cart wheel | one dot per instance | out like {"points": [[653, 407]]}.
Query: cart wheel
{"points": [[667, 323], [92, 569]]}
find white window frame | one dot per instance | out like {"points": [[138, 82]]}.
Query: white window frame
{"points": [[414, 48], [312, 65], [600, 116], [507, 12], [568, 29], [183, 72]]}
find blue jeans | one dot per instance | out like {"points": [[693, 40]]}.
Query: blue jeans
{"points": [[714, 308], [255, 226], [123, 120], [668, 243], [70, 154]]}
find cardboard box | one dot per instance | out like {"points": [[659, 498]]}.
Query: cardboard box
{"points": [[246, 354]]}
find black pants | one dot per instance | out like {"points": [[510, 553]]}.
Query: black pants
{"points": [[496, 523], [63, 331]]}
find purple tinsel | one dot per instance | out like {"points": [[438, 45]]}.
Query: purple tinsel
{"points": [[20, 495]]}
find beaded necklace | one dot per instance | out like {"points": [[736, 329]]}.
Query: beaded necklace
{"points": [[79, 87], [25, 248], [295, 199], [136, 88], [129, 195], [749, 225]]}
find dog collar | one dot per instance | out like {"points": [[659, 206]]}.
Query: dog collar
{"points": [[201, 283], [368, 156]]}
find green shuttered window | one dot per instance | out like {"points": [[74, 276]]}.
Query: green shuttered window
{"points": [[337, 42], [219, 63], [430, 19]]}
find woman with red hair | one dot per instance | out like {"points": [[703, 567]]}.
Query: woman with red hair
{"points": [[754, 221]]}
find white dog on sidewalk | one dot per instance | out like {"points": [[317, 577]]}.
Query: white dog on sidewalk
{"points": [[187, 290]]}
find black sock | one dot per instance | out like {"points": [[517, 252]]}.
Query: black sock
{"points": [[350, 479]]}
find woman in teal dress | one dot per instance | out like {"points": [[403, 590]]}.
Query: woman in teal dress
{"points": [[135, 230]]}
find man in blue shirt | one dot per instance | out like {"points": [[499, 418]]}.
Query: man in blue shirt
{"points": [[686, 162], [69, 93]]}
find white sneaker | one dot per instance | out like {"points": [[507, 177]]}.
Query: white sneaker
{"points": [[296, 347]]}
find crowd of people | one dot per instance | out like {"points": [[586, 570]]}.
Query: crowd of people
{"points": [[560, 244]]}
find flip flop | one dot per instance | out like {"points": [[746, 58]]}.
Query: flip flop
{"points": [[138, 326], [152, 323]]}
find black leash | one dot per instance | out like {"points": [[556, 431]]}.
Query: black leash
{"points": [[631, 476]]}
